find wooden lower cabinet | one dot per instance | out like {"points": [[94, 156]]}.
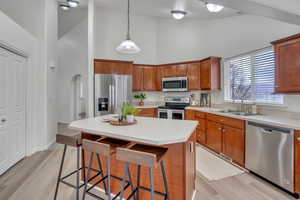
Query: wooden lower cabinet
{"points": [[297, 162], [147, 112], [234, 144], [214, 136], [201, 137]]}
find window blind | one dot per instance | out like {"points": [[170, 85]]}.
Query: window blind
{"points": [[251, 77]]}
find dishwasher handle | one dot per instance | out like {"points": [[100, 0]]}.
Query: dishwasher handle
{"points": [[264, 128]]}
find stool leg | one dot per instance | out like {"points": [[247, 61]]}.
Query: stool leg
{"points": [[151, 183], [124, 181], [138, 182], [78, 173], [60, 171], [102, 173], [83, 163], [163, 170], [108, 178], [88, 175], [130, 180]]}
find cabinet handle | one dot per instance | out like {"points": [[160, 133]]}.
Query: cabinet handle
{"points": [[298, 138], [224, 130], [220, 129]]}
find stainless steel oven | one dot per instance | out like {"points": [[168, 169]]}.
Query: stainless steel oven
{"points": [[171, 114], [175, 84]]}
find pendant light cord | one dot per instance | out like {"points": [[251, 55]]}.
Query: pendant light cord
{"points": [[128, 20]]}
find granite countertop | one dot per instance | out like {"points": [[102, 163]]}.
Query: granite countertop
{"points": [[152, 131], [266, 119]]}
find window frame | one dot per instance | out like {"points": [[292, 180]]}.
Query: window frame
{"points": [[227, 90]]}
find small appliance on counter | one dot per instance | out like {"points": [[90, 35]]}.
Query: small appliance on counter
{"points": [[205, 99], [174, 108], [193, 100]]}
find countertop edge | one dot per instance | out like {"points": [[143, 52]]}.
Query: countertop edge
{"points": [[270, 121]]}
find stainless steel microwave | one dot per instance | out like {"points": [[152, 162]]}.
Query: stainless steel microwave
{"points": [[175, 84]]}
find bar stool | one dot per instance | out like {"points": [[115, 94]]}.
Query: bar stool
{"points": [[147, 156], [74, 141], [105, 147]]}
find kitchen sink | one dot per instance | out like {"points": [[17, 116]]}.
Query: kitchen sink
{"points": [[237, 113]]}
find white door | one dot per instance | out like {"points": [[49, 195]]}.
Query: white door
{"points": [[12, 109]]}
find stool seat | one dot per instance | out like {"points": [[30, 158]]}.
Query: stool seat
{"points": [[139, 154], [75, 140]]}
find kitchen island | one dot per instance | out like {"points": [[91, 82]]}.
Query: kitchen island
{"points": [[177, 135]]}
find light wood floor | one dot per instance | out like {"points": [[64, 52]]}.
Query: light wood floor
{"points": [[34, 178]]}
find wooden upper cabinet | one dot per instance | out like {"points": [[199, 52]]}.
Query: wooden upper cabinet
{"points": [[138, 78], [287, 61], [144, 78], [159, 76], [181, 70], [193, 74], [149, 81], [234, 144], [210, 74], [169, 71], [112, 67], [297, 162]]}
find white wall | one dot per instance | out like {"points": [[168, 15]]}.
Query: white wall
{"points": [[40, 19], [15, 37], [194, 39], [111, 29], [73, 59]]}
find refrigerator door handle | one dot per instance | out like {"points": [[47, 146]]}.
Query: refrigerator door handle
{"points": [[110, 99], [113, 99]]}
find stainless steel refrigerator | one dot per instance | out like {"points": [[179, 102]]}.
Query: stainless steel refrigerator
{"points": [[111, 91]]}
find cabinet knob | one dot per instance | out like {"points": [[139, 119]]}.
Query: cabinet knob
{"points": [[220, 129], [298, 138], [224, 130]]}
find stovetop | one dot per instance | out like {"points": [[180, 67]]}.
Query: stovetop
{"points": [[175, 103], [172, 107]]}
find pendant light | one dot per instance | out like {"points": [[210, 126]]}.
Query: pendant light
{"points": [[64, 6], [128, 46]]}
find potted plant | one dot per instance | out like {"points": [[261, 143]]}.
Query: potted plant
{"points": [[128, 112], [141, 97]]}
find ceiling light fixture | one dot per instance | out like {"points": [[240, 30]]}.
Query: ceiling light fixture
{"points": [[128, 46], [178, 14], [73, 3], [214, 7], [64, 6]]}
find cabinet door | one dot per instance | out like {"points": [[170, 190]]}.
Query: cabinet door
{"points": [[158, 79], [193, 74], [201, 137], [234, 144], [214, 136], [149, 78], [205, 73], [190, 115], [287, 67], [181, 70], [103, 67], [147, 112], [138, 78], [190, 166], [297, 162], [169, 71]]}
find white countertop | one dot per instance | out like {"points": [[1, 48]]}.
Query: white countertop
{"points": [[146, 106], [270, 120], [152, 131]]}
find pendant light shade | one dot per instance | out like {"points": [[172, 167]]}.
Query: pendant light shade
{"points": [[128, 46], [73, 3], [214, 7]]}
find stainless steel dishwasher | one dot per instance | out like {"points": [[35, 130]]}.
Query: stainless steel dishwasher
{"points": [[270, 153]]}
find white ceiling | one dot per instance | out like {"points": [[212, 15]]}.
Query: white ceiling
{"points": [[162, 8]]}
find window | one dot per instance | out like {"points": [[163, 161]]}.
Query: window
{"points": [[251, 78]]}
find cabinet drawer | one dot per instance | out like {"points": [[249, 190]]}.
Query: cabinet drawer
{"points": [[236, 123], [199, 114], [147, 112]]}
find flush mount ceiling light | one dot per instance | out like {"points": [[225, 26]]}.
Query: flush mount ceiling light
{"points": [[73, 3], [128, 46], [64, 6], [178, 14], [214, 7]]}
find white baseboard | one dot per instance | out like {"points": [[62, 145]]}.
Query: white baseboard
{"points": [[50, 144]]}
